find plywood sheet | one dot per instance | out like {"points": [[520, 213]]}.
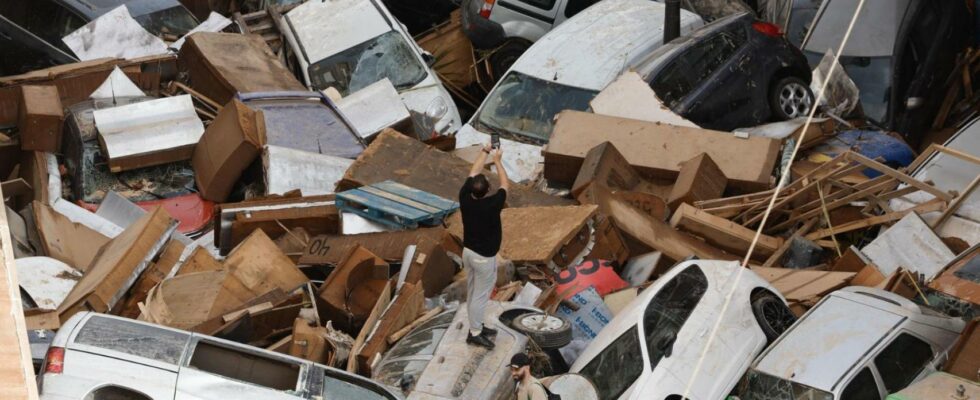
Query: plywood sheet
{"points": [[69, 242], [390, 246], [722, 233], [804, 286], [909, 244], [658, 235], [534, 234], [262, 267]]}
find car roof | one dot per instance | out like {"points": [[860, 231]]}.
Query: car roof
{"points": [[655, 59], [613, 33], [329, 27], [823, 346], [93, 9]]}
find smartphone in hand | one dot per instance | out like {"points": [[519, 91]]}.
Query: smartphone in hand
{"points": [[495, 140]]}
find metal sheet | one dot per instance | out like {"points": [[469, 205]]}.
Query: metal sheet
{"points": [[374, 108], [47, 280], [154, 126], [115, 34], [288, 169], [909, 244]]}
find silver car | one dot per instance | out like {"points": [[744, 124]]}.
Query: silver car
{"points": [[101, 357]]}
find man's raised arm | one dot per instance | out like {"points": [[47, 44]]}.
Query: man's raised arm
{"points": [[501, 172], [481, 160]]}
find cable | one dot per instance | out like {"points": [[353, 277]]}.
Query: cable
{"points": [[772, 200]]}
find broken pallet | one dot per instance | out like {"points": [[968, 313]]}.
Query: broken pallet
{"points": [[395, 205]]}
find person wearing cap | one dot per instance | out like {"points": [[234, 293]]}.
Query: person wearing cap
{"points": [[482, 234], [528, 387]]}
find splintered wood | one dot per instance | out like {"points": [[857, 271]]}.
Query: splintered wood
{"points": [[825, 191]]}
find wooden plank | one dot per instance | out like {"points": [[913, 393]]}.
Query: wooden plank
{"points": [[884, 169], [658, 235], [420, 196], [930, 206], [885, 184], [16, 369], [957, 202], [401, 200], [722, 233], [394, 337], [388, 206], [801, 285]]}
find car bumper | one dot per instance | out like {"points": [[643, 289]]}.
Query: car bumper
{"points": [[483, 33]]}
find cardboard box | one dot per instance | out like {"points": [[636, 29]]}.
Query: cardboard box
{"points": [[118, 264], [219, 65], [389, 246], [699, 179], [41, 118], [352, 289], [656, 150], [431, 267], [232, 141], [605, 164]]}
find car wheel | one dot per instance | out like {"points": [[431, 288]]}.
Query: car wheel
{"points": [[790, 98], [547, 331], [773, 315], [505, 56]]}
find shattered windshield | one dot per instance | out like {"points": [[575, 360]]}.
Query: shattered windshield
{"points": [[970, 271], [405, 362], [386, 56], [141, 184], [669, 309], [525, 106], [618, 365], [756, 385], [175, 21]]}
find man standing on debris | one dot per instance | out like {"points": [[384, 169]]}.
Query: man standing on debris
{"points": [[481, 238], [528, 387]]}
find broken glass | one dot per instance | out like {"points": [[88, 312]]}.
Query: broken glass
{"points": [[756, 385], [618, 365], [386, 56], [135, 339], [176, 21]]}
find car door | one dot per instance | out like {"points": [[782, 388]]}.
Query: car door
{"points": [[44, 18], [529, 19], [216, 370], [864, 385], [726, 95], [905, 359]]}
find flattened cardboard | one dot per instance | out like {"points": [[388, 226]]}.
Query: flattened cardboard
{"points": [[69, 242], [232, 141], [604, 164], [431, 267], [389, 246], [118, 264], [41, 116], [803, 287], [262, 267], [396, 157], [534, 234], [699, 179], [155, 274], [656, 150], [219, 65]]}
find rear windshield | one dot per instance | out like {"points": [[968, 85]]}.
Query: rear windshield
{"points": [[970, 271], [132, 338], [176, 21]]}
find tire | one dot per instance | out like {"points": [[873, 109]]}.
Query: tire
{"points": [[790, 98], [773, 316], [505, 56], [547, 331]]}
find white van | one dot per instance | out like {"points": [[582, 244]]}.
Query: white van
{"points": [[350, 44], [564, 71]]}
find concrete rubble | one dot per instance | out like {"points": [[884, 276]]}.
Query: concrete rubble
{"points": [[202, 199]]}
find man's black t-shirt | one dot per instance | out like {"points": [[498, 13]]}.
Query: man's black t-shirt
{"points": [[481, 220]]}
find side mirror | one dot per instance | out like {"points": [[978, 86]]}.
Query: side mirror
{"points": [[913, 103], [429, 59]]}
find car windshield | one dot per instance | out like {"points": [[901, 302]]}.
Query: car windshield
{"points": [[970, 271], [872, 75], [756, 385], [525, 107], [175, 21], [386, 56], [618, 365], [404, 363]]}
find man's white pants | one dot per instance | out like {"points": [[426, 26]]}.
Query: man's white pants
{"points": [[481, 274]]}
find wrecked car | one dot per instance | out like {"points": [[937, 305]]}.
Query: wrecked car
{"points": [[433, 361], [52, 20], [732, 73], [24, 52], [90, 179], [651, 349], [101, 356], [899, 54], [564, 71], [856, 343], [351, 44], [305, 121]]}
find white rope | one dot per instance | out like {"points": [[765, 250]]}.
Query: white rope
{"points": [[772, 201]]}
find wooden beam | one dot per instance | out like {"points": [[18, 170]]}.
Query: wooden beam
{"points": [[16, 369], [957, 202], [722, 233], [882, 185], [930, 206]]}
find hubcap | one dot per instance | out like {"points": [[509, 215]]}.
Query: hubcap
{"points": [[542, 323], [794, 100]]}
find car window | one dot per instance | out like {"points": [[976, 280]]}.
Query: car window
{"points": [[902, 360], [706, 56], [245, 366], [386, 56], [970, 271], [524, 107], [132, 338], [618, 365], [47, 20], [669, 308], [862, 387], [575, 6], [673, 82], [542, 4], [343, 388]]}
